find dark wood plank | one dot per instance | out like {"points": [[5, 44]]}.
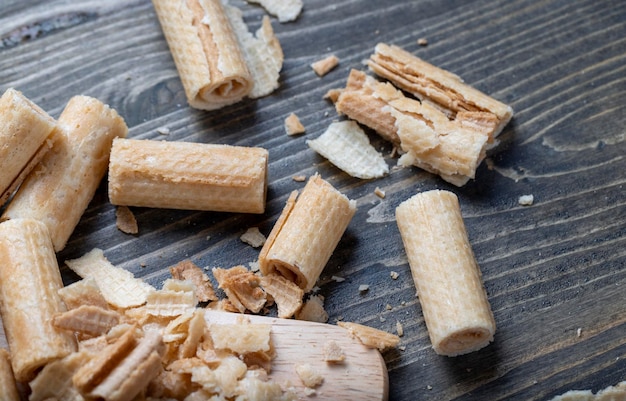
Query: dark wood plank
{"points": [[550, 269]]}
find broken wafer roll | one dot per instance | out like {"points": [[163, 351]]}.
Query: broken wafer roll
{"points": [[306, 233], [435, 85], [25, 136], [447, 278], [8, 387], [59, 189], [184, 175], [29, 299], [204, 46]]}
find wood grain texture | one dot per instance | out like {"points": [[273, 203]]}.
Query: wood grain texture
{"points": [[549, 269]]}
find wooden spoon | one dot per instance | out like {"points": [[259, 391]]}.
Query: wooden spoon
{"points": [[361, 376]]}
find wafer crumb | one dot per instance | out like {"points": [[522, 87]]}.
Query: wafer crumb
{"points": [[163, 131], [394, 275], [526, 200], [364, 288], [125, 220], [399, 329], [379, 192], [293, 126], [422, 42], [299, 178], [333, 353], [337, 279], [253, 237], [323, 66], [309, 375]]}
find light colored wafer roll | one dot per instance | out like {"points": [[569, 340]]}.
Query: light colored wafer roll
{"points": [[8, 387], [205, 49], [447, 278], [59, 189], [306, 233], [184, 175], [29, 299], [24, 135]]}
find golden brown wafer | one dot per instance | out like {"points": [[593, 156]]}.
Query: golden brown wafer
{"points": [[184, 175], [446, 275], [29, 299], [59, 189]]}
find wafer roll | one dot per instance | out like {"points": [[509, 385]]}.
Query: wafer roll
{"points": [[59, 189], [29, 299], [446, 275], [8, 387], [183, 175], [204, 46], [24, 139], [306, 233]]}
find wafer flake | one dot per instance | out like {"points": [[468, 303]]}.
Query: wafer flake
{"points": [[371, 337], [313, 310], [187, 270], [346, 146], [325, 65], [310, 377], [287, 294], [241, 287], [118, 286], [333, 353], [253, 237], [293, 126], [125, 220], [285, 10]]}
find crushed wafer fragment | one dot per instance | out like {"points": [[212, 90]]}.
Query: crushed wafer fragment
{"points": [[250, 337], [379, 192], [54, 382], [309, 375], [187, 270], [253, 237], [242, 287], [287, 294], [82, 292], [125, 220], [399, 329], [87, 319], [299, 178], [323, 66], [333, 352], [371, 337], [293, 126], [347, 146], [313, 310], [422, 42], [118, 286], [364, 288], [172, 300], [285, 10], [526, 200]]}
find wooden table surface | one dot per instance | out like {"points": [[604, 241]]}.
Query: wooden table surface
{"points": [[554, 271]]}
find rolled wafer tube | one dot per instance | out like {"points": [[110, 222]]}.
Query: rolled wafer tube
{"points": [[59, 189], [204, 46], [447, 278], [24, 139], [184, 175], [29, 299], [306, 233]]}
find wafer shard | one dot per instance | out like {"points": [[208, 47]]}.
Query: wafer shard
{"points": [[306, 233], [371, 337], [54, 382], [29, 299], [184, 175], [59, 189], [346, 146], [451, 148], [87, 319], [242, 288], [435, 85], [25, 136], [286, 294], [446, 275], [118, 286]]}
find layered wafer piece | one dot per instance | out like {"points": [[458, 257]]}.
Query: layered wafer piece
{"points": [[25, 136], [306, 233], [29, 299], [184, 175], [445, 272], [435, 85], [218, 60], [59, 189], [452, 149]]}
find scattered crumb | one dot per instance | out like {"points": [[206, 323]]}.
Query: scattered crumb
{"points": [[333, 353], [388, 307], [293, 126], [253, 237], [422, 42], [337, 279], [163, 131], [339, 318], [125, 220], [299, 178], [143, 264], [323, 66], [429, 387], [382, 319], [394, 275], [379, 192], [364, 288], [579, 332], [402, 348], [399, 329], [371, 337], [309, 375], [526, 200]]}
